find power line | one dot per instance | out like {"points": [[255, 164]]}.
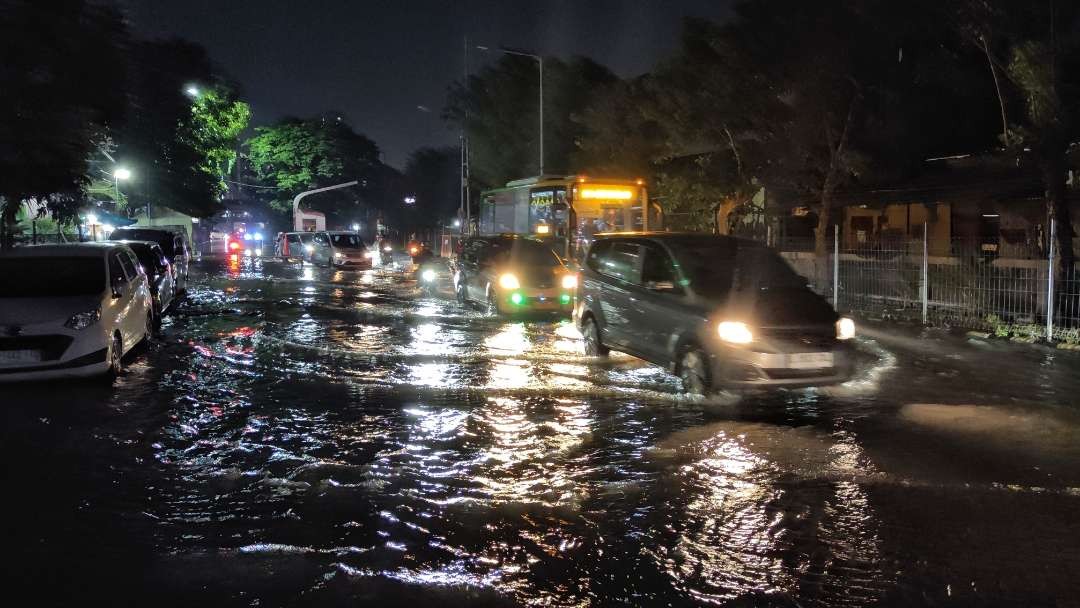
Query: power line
{"points": [[251, 185]]}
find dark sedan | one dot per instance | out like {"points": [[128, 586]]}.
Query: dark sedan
{"points": [[715, 310], [159, 275]]}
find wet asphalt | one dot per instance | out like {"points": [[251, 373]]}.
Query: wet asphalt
{"points": [[298, 436]]}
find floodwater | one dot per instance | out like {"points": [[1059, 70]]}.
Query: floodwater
{"points": [[299, 436]]}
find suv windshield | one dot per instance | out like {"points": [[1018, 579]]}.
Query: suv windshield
{"points": [[525, 253], [51, 277], [162, 237], [346, 240]]}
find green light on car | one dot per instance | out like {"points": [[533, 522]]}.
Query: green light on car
{"points": [[564, 298], [516, 299]]}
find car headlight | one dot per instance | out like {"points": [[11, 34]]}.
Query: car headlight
{"points": [[509, 281], [428, 275], [369, 254], [258, 252], [338, 254], [845, 329], [735, 332], [83, 320], [569, 281], [413, 251], [309, 248], [388, 248], [247, 253]]}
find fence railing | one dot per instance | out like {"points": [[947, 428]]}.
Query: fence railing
{"points": [[959, 282]]}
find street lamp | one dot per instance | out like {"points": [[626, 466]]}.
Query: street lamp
{"points": [[409, 200], [192, 91], [121, 173], [540, 61]]}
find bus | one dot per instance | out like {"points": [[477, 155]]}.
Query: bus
{"points": [[568, 210]]}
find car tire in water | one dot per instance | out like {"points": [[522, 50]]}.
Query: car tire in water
{"points": [[594, 345], [694, 372], [114, 356]]}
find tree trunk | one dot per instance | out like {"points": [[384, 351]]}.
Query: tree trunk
{"points": [[997, 87], [7, 221], [836, 153]]}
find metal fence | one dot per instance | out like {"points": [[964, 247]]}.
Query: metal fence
{"points": [[958, 282]]}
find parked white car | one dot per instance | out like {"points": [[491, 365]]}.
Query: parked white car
{"points": [[71, 310]]}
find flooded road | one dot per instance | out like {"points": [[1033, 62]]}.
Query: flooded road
{"points": [[299, 436]]}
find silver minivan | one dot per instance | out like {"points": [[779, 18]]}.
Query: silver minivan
{"points": [[341, 249]]}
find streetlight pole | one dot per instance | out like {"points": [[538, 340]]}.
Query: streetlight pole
{"points": [[540, 62]]}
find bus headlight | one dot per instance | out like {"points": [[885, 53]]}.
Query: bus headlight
{"points": [[509, 281], [845, 329], [427, 276], [735, 332], [569, 281]]}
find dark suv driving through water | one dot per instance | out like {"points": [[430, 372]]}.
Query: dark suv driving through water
{"points": [[715, 310]]}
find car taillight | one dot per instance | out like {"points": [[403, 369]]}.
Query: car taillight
{"points": [[234, 245]]}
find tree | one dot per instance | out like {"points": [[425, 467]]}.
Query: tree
{"points": [[1033, 52], [433, 177], [499, 106], [297, 155], [53, 111], [178, 145]]}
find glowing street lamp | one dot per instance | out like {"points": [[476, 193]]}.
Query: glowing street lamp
{"points": [[192, 91], [121, 173], [409, 200]]}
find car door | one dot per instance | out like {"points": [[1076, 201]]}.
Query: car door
{"points": [[123, 296], [477, 251], [139, 286], [168, 283], [621, 266], [661, 311]]}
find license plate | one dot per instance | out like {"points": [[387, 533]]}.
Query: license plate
{"points": [[14, 357], [810, 360]]}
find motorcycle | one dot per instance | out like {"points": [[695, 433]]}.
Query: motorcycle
{"points": [[429, 275], [386, 253]]}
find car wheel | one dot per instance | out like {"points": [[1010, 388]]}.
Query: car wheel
{"points": [[594, 346], [115, 358], [157, 319], [694, 372], [148, 327]]}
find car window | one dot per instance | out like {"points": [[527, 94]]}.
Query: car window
{"points": [[293, 238], [321, 239], [128, 264], [117, 276], [622, 261], [658, 269], [347, 241], [596, 253]]}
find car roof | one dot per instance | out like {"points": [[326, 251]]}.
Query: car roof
{"points": [[135, 242], [676, 237], [70, 250], [165, 229]]}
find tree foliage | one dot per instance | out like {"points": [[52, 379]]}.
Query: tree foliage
{"points": [[499, 109], [433, 177], [297, 155], [52, 119], [179, 148]]}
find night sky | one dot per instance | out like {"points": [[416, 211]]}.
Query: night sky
{"points": [[386, 65]]}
